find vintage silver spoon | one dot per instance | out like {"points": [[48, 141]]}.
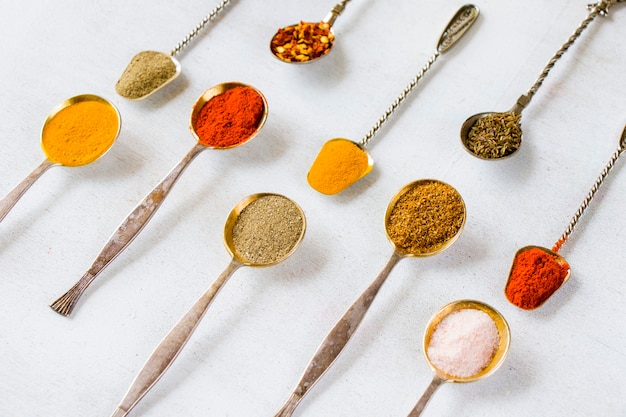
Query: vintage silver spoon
{"points": [[288, 46], [174, 342], [505, 132], [441, 376], [149, 71], [340, 334], [322, 173], [566, 274]]}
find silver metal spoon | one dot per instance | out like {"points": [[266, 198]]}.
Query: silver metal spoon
{"points": [[149, 71], [508, 137], [307, 49], [174, 342]]}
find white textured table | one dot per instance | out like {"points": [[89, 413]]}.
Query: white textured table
{"points": [[568, 358]]}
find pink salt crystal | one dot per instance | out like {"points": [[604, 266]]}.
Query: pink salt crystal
{"points": [[464, 343]]}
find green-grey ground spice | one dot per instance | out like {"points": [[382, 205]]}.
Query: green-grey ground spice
{"points": [[426, 217], [147, 71], [496, 135], [267, 230]]}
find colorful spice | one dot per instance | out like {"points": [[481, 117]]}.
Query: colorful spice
{"points": [[495, 135], [80, 133], [339, 164], [267, 230], [535, 275], [229, 118], [302, 42], [464, 343], [146, 72], [426, 217]]}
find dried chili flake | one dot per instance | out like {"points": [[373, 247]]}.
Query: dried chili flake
{"points": [[302, 42]]}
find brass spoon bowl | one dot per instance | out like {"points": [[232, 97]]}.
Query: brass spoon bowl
{"points": [[440, 376], [328, 20], [56, 156]]}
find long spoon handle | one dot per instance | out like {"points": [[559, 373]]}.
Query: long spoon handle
{"points": [[7, 203], [125, 233], [592, 192], [599, 8], [173, 343], [453, 32], [426, 396], [337, 339], [212, 14]]}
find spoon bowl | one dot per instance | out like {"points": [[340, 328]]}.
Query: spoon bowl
{"points": [[306, 42], [501, 325], [216, 91], [501, 145], [77, 147], [441, 376], [146, 73]]}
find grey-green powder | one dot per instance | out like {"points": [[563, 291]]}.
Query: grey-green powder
{"points": [[146, 72], [267, 230]]}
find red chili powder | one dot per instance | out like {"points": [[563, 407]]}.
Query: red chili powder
{"points": [[230, 118], [535, 276]]}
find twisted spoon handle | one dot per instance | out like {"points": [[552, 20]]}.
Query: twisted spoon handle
{"points": [[7, 203], [453, 32], [600, 8], [423, 401], [182, 44], [592, 192], [169, 348], [125, 233], [337, 339]]}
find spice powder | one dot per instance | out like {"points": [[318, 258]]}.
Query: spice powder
{"points": [[426, 217], [146, 72], [267, 230]]}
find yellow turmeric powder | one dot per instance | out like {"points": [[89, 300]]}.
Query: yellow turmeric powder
{"points": [[339, 164], [81, 132]]}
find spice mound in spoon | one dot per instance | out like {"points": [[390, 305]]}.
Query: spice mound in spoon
{"points": [[464, 343], [267, 230], [495, 136], [147, 72], [426, 218], [302, 42], [535, 275]]}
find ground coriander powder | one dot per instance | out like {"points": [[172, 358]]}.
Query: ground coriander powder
{"points": [[426, 217], [267, 230], [146, 72]]}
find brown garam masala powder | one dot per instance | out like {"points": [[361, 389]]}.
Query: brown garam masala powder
{"points": [[426, 217]]}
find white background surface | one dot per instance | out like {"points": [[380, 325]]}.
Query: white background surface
{"points": [[566, 359]]}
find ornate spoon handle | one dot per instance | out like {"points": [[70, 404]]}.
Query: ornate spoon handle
{"points": [[592, 192], [125, 233], [169, 348], [7, 203], [337, 339], [599, 8], [182, 44], [456, 28]]}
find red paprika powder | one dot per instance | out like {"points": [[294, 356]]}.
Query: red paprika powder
{"points": [[535, 275], [229, 118]]}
